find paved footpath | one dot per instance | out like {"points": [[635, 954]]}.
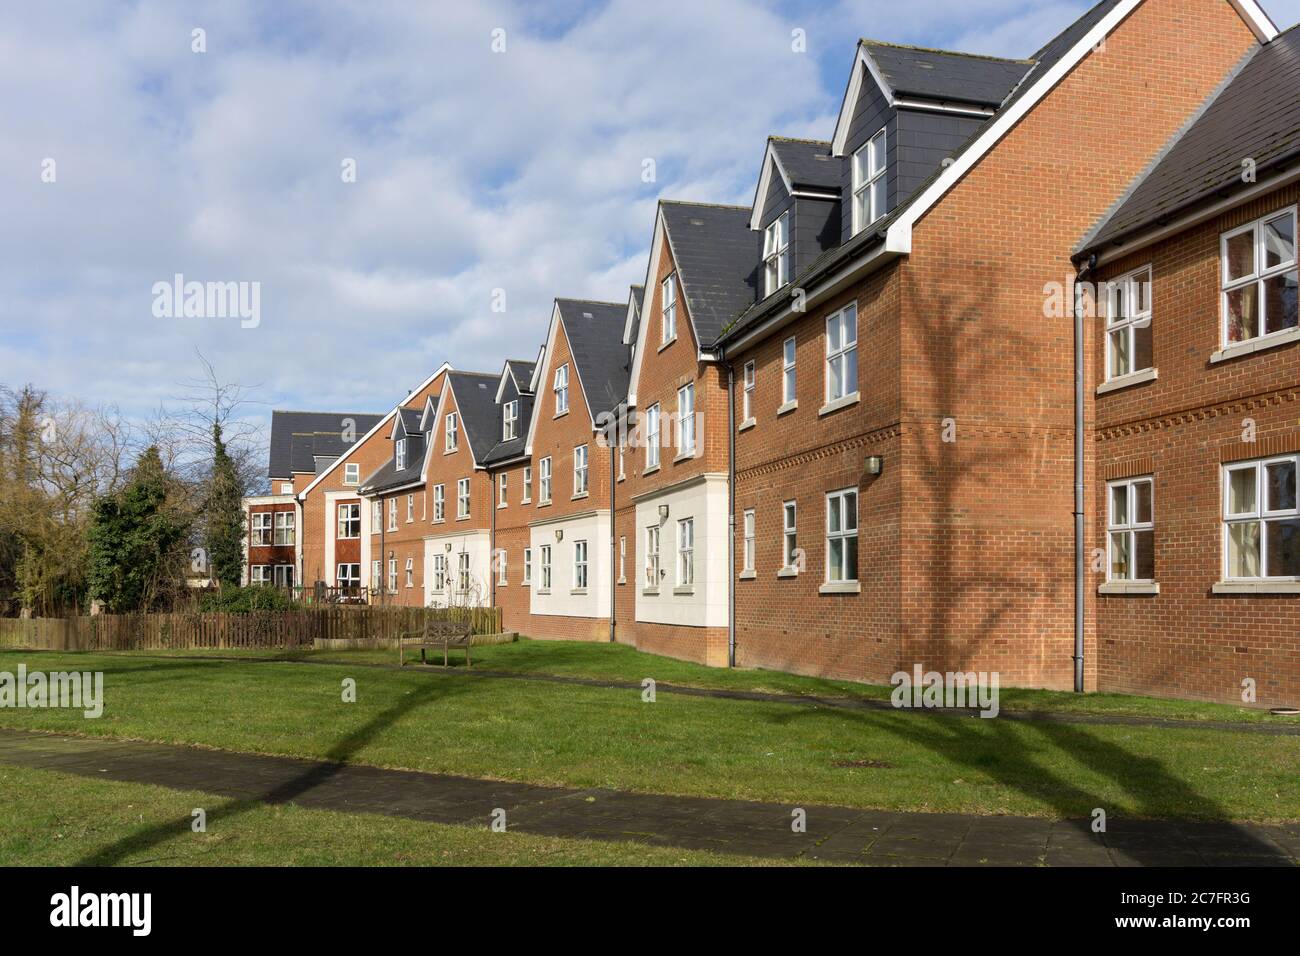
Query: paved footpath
{"points": [[834, 834]]}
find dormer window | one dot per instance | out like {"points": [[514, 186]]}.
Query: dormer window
{"points": [[562, 389], [509, 420], [869, 182], [776, 254], [449, 432], [401, 454], [668, 330]]}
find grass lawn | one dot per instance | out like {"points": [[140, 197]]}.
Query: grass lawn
{"points": [[57, 819], [600, 737], [620, 662]]}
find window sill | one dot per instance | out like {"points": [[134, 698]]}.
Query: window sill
{"points": [[621, 581], [580, 495], [451, 451], [502, 504], [434, 521], [526, 501], [578, 591], [1258, 344], [840, 587], [650, 592], [650, 471], [684, 456], [787, 573], [748, 575], [543, 590], [746, 425], [1256, 587], [1127, 381], [837, 404], [687, 589], [787, 407], [1129, 587], [544, 504], [462, 517], [559, 414], [664, 345]]}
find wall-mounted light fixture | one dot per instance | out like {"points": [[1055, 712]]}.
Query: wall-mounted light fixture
{"points": [[559, 534], [875, 464], [663, 513], [447, 547]]}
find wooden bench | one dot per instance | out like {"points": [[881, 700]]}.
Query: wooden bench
{"points": [[435, 634]]}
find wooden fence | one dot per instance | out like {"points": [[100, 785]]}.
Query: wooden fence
{"points": [[256, 629]]}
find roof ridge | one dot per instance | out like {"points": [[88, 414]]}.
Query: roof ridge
{"points": [[799, 139], [689, 202], [299, 411], [930, 49], [621, 305]]}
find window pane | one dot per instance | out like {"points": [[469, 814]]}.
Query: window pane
{"points": [[833, 335], [836, 383], [1243, 550], [1120, 560], [1141, 346], [837, 559], [1280, 302], [1279, 486], [851, 559], [1283, 546], [1279, 241], [1119, 304], [1142, 292], [1120, 363], [1144, 555], [833, 515], [1241, 491], [1142, 503], [1119, 504], [1243, 313], [850, 382], [1241, 255], [877, 199], [851, 511]]}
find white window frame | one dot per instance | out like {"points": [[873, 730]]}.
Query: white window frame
{"points": [[351, 473], [844, 534], [282, 575], [392, 514], [376, 572], [651, 564], [501, 566], [450, 432], [686, 552], [440, 577], [580, 565], [286, 487], [502, 490], [410, 572], [376, 515], [1258, 277], [561, 388], [528, 485], [510, 420], [392, 575], [544, 481], [353, 511], [581, 468], [285, 528], [439, 502], [748, 377], [870, 163], [843, 321], [652, 420], [346, 578], [528, 566], [463, 572], [399, 454], [776, 254], [686, 419], [545, 564], [259, 574], [789, 534], [1261, 514], [668, 327], [1128, 526], [622, 559], [410, 508], [1126, 312], [263, 526], [747, 528], [789, 371], [462, 498]]}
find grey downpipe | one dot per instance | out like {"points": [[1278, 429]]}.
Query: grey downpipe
{"points": [[731, 516], [1080, 564], [613, 538], [494, 496]]}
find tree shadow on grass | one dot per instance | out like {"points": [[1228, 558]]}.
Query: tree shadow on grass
{"points": [[1167, 808], [285, 792]]}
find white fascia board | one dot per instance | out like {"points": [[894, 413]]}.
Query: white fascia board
{"points": [[652, 270], [429, 407], [542, 368], [770, 161], [444, 367], [632, 314], [1259, 22], [861, 62]]}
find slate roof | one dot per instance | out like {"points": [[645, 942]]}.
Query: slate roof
{"points": [[411, 419], [595, 334], [717, 257], [1256, 115], [505, 450], [480, 415], [945, 75], [522, 372], [637, 294], [831, 259], [808, 162], [285, 424]]}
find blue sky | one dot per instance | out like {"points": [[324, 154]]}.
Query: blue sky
{"points": [[476, 170]]}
